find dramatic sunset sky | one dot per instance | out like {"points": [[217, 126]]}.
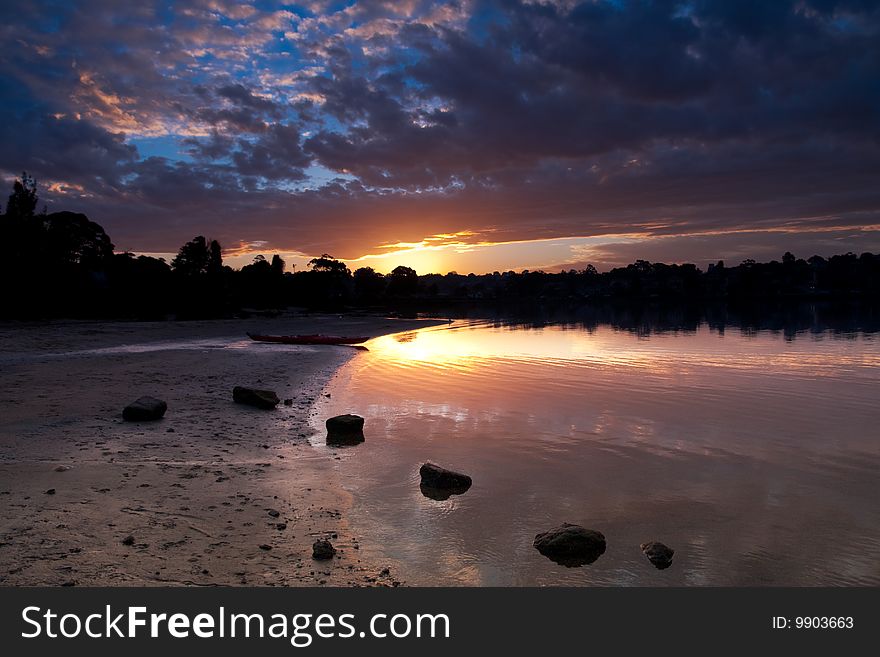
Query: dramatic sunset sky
{"points": [[469, 136]]}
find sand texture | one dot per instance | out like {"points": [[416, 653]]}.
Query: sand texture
{"points": [[215, 493]]}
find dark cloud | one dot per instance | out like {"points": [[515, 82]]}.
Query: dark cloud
{"points": [[276, 154], [514, 120]]}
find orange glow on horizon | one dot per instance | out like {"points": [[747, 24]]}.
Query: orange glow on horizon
{"points": [[471, 251]]}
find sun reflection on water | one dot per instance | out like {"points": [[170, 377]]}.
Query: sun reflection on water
{"points": [[707, 440]]}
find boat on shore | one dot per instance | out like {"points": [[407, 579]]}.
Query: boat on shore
{"points": [[309, 339]]}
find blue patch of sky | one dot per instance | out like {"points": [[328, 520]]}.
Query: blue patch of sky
{"points": [[482, 21], [317, 176], [167, 146], [53, 20]]}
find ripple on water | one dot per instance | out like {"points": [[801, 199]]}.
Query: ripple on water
{"points": [[734, 450]]}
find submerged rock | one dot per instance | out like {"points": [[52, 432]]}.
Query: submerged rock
{"points": [[571, 545], [658, 554], [323, 550], [345, 430], [265, 399], [144, 409], [439, 483]]}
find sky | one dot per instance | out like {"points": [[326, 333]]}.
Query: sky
{"points": [[471, 136]]}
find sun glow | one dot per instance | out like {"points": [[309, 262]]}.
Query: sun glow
{"points": [[466, 345]]}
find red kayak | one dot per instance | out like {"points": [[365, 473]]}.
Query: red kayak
{"points": [[308, 339]]}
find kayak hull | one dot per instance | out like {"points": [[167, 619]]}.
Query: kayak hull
{"points": [[308, 339]]}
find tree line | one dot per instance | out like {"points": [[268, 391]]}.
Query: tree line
{"points": [[61, 264]]}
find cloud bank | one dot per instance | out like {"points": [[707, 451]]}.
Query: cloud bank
{"points": [[348, 127]]}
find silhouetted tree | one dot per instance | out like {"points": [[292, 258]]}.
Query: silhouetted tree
{"points": [[215, 258], [63, 264], [194, 257], [402, 281], [23, 201], [203, 288], [140, 286], [71, 239], [328, 264], [278, 266], [327, 283], [368, 285]]}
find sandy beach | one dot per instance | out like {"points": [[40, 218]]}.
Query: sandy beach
{"points": [[215, 493]]}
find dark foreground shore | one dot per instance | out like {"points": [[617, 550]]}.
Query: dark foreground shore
{"points": [[215, 493]]}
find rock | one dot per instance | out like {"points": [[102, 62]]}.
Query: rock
{"points": [[288, 402], [658, 554], [571, 545], [323, 550], [273, 513], [128, 540], [265, 399], [345, 430], [51, 491], [265, 546], [439, 483], [144, 409], [62, 468], [436, 477]]}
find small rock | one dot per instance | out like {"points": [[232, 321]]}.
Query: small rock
{"points": [[51, 491], [145, 409], [69, 582], [62, 468], [288, 402], [439, 483], [345, 430], [273, 513], [281, 526], [571, 545], [322, 550], [264, 546], [265, 399], [658, 554], [128, 540]]}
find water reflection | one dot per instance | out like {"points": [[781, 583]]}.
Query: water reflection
{"points": [[734, 447]]}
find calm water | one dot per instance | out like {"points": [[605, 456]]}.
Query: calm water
{"points": [[755, 457]]}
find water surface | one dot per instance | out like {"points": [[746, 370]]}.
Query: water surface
{"points": [[754, 455]]}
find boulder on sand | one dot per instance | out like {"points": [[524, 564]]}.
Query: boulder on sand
{"points": [[322, 550], [658, 554], [571, 545], [439, 483], [345, 430], [144, 409], [265, 399]]}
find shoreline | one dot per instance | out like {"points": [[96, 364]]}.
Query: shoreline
{"points": [[215, 493]]}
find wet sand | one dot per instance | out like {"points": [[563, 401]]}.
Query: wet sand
{"points": [[215, 493]]}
